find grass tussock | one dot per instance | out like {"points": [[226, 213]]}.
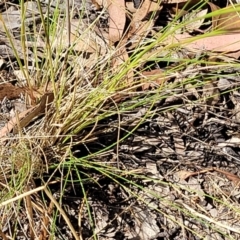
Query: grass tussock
{"points": [[100, 101]]}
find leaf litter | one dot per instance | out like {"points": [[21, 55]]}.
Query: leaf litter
{"points": [[184, 155]]}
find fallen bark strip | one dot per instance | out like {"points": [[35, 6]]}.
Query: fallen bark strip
{"points": [[24, 118]]}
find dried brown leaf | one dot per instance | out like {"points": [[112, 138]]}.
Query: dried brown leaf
{"points": [[229, 21], [138, 27], [100, 3], [117, 19], [213, 8], [147, 7], [139, 30], [183, 174], [232, 177], [142, 11], [225, 43], [10, 91], [130, 7], [13, 122], [195, 18], [24, 118], [83, 38], [178, 11], [154, 77], [182, 5], [174, 1], [97, 4]]}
